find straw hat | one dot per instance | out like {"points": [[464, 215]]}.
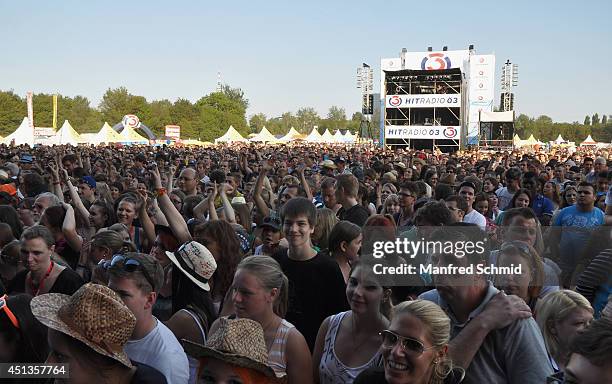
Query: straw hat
{"points": [[195, 261], [237, 341], [94, 315]]}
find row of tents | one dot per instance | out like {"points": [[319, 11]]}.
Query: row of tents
{"points": [[264, 136], [24, 134], [559, 142]]}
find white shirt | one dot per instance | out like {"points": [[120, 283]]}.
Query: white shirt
{"points": [[475, 217], [161, 350]]}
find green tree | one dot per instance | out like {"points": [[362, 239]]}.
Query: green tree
{"points": [[604, 120], [160, 115], [235, 94], [12, 111], [595, 119], [306, 119], [257, 122], [587, 120], [185, 114], [217, 112]]}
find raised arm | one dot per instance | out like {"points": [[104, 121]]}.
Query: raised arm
{"points": [[56, 185], [212, 210], [259, 201], [230, 215], [76, 199], [69, 229], [300, 170], [175, 220], [145, 221]]}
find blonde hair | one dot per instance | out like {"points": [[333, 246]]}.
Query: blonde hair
{"points": [[555, 307], [112, 240], [438, 328], [270, 275], [325, 222], [392, 198]]}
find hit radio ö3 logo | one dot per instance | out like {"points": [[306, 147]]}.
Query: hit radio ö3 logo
{"points": [[395, 101], [435, 61]]}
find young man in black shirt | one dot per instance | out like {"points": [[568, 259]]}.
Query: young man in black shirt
{"points": [[347, 188], [316, 285]]}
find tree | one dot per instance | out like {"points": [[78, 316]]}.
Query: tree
{"points": [[604, 120], [587, 120], [306, 118], [217, 111], [12, 111], [595, 119], [235, 94], [336, 114], [160, 115], [257, 122]]}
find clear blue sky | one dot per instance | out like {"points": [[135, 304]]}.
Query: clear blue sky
{"points": [[286, 55]]}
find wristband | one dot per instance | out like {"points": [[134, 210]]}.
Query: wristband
{"points": [[160, 192]]}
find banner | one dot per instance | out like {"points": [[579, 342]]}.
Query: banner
{"points": [[30, 110], [424, 101], [173, 131], [422, 132], [427, 61], [481, 92], [44, 132]]}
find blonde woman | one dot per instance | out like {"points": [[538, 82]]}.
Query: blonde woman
{"points": [[260, 293], [326, 220], [560, 316], [414, 348], [391, 205]]}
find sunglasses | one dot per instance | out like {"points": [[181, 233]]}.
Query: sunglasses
{"points": [[129, 265], [516, 245], [8, 312], [390, 339]]}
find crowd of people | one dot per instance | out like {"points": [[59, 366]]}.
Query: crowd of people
{"points": [[254, 264]]}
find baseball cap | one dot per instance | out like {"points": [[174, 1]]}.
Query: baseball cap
{"points": [[340, 159], [8, 188], [89, 181], [270, 222]]}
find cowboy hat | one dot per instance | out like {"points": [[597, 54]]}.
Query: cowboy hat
{"points": [[95, 315], [238, 342]]}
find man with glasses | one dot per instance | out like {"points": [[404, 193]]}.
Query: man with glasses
{"points": [[187, 182], [493, 336], [572, 228], [407, 197], [137, 278]]}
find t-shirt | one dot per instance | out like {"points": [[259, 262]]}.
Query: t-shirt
{"points": [[475, 217], [504, 196], [161, 350], [542, 205], [576, 229], [515, 354], [67, 282], [316, 291], [357, 214]]}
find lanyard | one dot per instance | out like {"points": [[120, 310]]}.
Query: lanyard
{"points": [[35, 292]]}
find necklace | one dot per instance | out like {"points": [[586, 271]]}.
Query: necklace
{"points": [[354, 334], [36, 291]]}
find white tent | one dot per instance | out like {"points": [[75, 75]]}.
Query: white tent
{"points": [[106, 135], [291, 136], [66, 135], [130, 136], [314, 136], [264, 136], [327, 136], [588, 141], [559, 140], [348, 137], [338, 136], [22, 135], [231, 136]]}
